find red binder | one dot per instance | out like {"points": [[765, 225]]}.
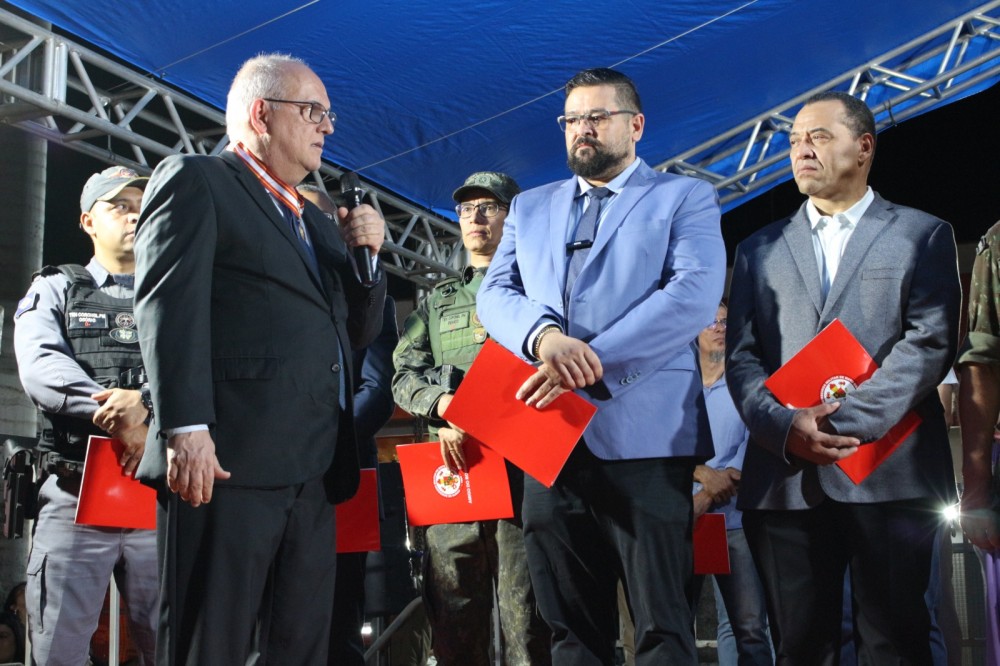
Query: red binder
{"points": [[109, 498], [436, 495], [828, 368], [537, 440], [711, 546], [357, 518]]}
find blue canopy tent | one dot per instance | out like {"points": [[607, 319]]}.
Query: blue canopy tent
{"points": [[428, 91]]}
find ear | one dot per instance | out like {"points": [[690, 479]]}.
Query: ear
{"points": [[638, 124], [87, 223], [259, 114], [866, 148]]}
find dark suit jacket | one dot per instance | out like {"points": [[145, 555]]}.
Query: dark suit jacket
{"points": [[243, 334], [897, 291]]}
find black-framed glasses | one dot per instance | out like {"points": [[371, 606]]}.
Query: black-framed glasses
{"points": [[597, 118], [717, 325], [314, 112], [487, 209]]}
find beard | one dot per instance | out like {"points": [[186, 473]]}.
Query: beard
{"points": [[601, 162]]}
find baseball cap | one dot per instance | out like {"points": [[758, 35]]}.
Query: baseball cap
{"points": [[500, 185], [107, 184]]}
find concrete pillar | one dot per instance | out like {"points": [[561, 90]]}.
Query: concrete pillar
{"points": [[23, 160]]}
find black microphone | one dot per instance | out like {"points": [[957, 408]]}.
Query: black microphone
{"points": [[350, 189]]}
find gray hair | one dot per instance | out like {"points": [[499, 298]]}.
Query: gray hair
{"points": [[263, 75]]}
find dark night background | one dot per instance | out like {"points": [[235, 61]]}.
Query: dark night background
{"points": [[946, 162]]}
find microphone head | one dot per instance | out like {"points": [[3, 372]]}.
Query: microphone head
{"points": [[349, 182]]}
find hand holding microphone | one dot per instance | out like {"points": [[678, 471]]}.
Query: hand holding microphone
{"points": [[350, 189]]}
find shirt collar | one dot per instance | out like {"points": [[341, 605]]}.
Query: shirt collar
{"points": [[852, 215], [616, 184], [100, 273]]}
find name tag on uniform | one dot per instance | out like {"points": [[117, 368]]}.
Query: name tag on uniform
{"points": [[454, 321], [86, 320]]}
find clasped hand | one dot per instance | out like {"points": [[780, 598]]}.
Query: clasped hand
{"points": [[122, 415], [811, 440], [567, 364]]}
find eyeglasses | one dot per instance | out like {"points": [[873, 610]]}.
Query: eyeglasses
{"points": [[717, 325], [597, 119], [316, 111], [488, 209]]}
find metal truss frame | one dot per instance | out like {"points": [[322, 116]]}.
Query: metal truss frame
{"points": [[66, 93], [904, 82], [69, 94]]}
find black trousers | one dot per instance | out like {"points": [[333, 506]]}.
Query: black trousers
{"points": [[803, 556], [247, 578], [608, 520]]}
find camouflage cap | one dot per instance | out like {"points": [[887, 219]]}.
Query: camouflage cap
{"points": [[500, 185], [107, 184]]}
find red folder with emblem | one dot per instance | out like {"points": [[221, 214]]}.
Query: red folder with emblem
{"points": [[828, 368], [109, 497], [358, 526], [435, 495], [485, 407], [711, 546]]}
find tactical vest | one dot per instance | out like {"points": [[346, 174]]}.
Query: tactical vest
{"points": [[456, 334], [101, 331]]}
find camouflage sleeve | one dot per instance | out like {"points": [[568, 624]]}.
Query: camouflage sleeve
{"points": [[414, 385], [983, 343]]}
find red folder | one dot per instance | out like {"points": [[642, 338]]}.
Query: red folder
{"points": [[537, 440], [109, 498], [711, 547], [357, 518], [436, 495], [828, 368]]}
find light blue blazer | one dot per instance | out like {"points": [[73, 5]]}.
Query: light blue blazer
{"points": [[651, 282]]}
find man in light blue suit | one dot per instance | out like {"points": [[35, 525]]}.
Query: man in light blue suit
{"points": [[605, 279]]}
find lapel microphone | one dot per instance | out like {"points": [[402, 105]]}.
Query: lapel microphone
{"points": [[350, 189]]}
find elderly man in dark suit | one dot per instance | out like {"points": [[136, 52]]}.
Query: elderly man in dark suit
{"points": [[889, 273], [248, 306]]}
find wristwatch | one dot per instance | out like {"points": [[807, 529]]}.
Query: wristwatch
{"points": [[147, 402]]}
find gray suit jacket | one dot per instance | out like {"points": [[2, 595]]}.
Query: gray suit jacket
{"points": [[897, 291]]}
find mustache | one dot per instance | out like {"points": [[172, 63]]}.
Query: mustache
{"points": [[594, 143]]}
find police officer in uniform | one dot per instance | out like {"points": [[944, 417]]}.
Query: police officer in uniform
{"points": [[463, 561], [78, 357]]}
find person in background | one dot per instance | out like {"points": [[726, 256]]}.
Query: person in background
{"points": [[78, 357], [979, 411], [743, 636], [464, 561]]}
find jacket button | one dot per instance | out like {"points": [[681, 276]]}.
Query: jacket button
{"points": [[335, 367]]}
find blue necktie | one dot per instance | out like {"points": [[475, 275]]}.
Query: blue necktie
{"points": [[585, 232], [298, 227]]}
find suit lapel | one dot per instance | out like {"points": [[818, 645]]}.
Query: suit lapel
{"points": [[264, 201], [635, 188], [559, 214], [868, 229], [798, 235]]}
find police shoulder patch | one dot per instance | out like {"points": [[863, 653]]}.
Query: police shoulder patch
{"points": [[26, 304]]}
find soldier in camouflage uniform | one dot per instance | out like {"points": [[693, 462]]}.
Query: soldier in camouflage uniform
{"points": [[979, 409], [979, 394], [463, 561]]}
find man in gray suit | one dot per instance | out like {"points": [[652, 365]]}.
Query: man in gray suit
{"points": [[889, 273]]}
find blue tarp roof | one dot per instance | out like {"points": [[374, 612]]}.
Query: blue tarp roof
{"points": [[427, 91]]}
